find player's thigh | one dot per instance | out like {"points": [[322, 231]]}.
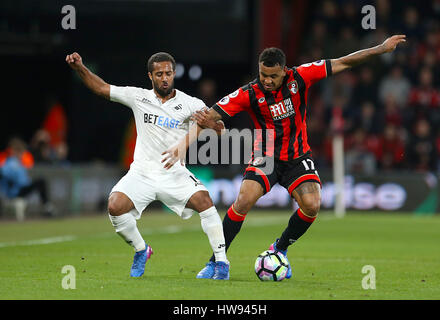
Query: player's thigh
{"points": [[133, 191], [119, 203], [258, 179], [302, 181], [308, 197], [180, 190]]}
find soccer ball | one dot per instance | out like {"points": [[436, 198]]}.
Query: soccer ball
{"points": [[271, 266]]}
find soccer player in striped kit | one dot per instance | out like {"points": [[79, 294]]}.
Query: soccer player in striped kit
{"points": [[277, 103]]}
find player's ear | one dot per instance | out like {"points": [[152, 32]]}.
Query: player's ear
{"points": [[150, 76]]}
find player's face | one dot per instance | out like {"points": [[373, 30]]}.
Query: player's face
{"points": [[162, 78], [271, 77]]}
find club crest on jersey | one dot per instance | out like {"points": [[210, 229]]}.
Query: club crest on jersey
{"points": [[261, 100], [234, 94], [282, 109], [293, 87], [224, 101], [316, 63], [258, 161]]}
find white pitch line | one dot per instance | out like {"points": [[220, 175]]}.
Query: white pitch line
{"points": [[37, 241], [171, 229]]}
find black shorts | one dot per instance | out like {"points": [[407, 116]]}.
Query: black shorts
{"points": [[289, 174]]}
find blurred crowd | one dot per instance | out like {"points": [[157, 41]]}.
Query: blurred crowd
{"points": [[47, 146], [390, 105]]}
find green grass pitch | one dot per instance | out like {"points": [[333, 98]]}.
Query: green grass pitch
{"points": [[327, 261]]}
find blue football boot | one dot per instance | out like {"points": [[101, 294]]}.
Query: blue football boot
{"points": [[139, 261], [207, 272], [273, 247], [221, 271]]}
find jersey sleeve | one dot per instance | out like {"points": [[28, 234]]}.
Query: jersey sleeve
{"points": [[123, 95], [315, 71], [233, 103], [197, 105]]}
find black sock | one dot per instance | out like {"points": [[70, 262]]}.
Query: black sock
{"points": [[298, 225], [230, 229]]}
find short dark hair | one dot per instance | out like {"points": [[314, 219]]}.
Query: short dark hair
{"points": [[160, 57], [270, 57]]}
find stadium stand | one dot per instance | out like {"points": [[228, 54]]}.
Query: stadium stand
{"points": [[391, 105]]}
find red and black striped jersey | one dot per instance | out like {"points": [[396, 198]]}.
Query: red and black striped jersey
{"points": [[280, 115]]}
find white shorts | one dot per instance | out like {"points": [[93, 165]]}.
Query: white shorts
{"points": [[173, 189]]}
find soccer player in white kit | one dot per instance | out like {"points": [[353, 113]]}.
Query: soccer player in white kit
{"points": [[162, 117]]}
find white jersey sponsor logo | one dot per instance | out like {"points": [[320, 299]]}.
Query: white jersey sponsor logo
{"points": [[159, 125]]}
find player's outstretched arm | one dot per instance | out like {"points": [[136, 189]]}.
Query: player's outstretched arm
{"points": [[209, 118], [361, 56], [91, 80], [178, 152], [204, 119]]}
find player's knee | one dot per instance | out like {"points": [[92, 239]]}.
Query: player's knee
{"points": [[116, 205], [205, 203], [200, 201], [114, 208], [250, 192], [311, 207], [244, 203]]}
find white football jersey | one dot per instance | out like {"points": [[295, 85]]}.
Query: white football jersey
{"points": [[158, 125]]}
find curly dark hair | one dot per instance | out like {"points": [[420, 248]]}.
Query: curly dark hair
{"points": [[271, 57], [160, 57]]}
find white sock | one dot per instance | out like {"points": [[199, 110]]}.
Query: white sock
{"points": [[125, 226], [213, 227]]}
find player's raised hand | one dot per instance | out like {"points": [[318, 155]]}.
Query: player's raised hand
{"points": [[172, 155], [74, 60], [202, 118], [391, 43]]}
